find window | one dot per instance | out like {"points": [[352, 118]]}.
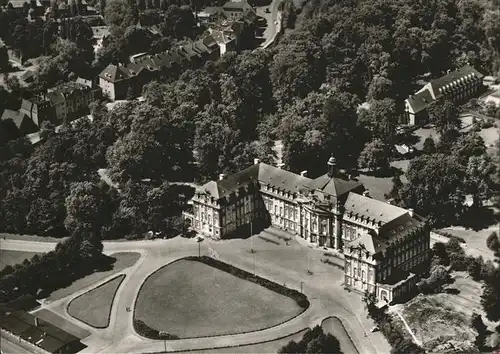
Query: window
{"points": [[281, 211]]}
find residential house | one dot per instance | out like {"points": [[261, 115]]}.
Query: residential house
{"points": [[38, 110], [457, 86], [71, 100], [24, 125], [386, 247], [236, 9], [23, 6], [120, 81], [210, 15]]}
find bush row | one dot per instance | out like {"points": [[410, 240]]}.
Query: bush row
{"points": [[300, 298], [148, 332]]}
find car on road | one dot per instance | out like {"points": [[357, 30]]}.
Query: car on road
{"points": [[374, 329], [267, 10]]}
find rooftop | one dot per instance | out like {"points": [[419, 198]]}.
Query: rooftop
{"points": [[373, 209], [455, 75], [37, 331]]}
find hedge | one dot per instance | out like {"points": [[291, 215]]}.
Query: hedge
{"points": [[148, 332], [300, 298]]}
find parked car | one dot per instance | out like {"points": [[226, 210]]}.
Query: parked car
{"points": [[267, 10], [375, 329]]}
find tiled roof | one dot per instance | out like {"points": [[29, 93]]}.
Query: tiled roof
{"points": [[372, 208], [210, 42], [334, 186], [454, 76], [371, 242], [55, 97], [420, 101]]}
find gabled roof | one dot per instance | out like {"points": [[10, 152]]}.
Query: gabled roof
{"points": [[15, 116], [369, 241], [334, 186], [372, 208], [55, 97], [419, 101], [210, 42], [236, 6], [114, 73], [463, 72]]}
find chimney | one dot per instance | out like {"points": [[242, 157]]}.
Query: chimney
{"points": [[411, 212], [366, 194], [304, 173], [331, 166], [256, 161], [222, 176], [36, 321]]}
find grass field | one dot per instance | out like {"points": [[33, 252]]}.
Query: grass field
{"points": [[94, 307], [13, 257], [123, 260], [190, 299], [62, 323]]}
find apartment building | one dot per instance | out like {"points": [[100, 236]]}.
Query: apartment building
{"points": [[457, 86]]}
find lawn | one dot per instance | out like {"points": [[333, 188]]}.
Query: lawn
{"points": [[94, 307], [190, 299], [13, 257], [62, 323], [123, 260], [441, 318]]}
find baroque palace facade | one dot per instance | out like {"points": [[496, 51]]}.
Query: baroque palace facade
{"points": [[385, 247]]}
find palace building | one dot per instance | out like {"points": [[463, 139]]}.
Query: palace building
{"points": [[385, 247]]}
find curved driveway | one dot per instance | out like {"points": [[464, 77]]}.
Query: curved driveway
{"points": [[323, 289]]}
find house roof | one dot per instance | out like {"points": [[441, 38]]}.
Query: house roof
{"points": [[419, 101], [236, 6], [369, 241], [85, 82], [55, 97], [100, 31], [211, 10], [16, 116], [266, 174], [44, 335], [20, 3], [210, 42], [114, 73], [333, 186], [452, 76], [372, 208]]}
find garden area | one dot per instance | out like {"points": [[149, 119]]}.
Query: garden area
{"points": [[94, 307], [191, 299]]}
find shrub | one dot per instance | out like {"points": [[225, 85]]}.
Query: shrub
{"points": [[300, 298], [148, 332], [313, 341]]}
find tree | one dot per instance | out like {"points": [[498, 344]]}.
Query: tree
{"points": [[380, 88], [87, 209], [406, 346], [380, 119], [444, 114], [434, 283], [492, 242], [439, 250], [375, 156], [314, 341], [441, 199], [480, 327], [429, 146]]}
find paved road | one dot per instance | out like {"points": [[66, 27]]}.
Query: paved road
{"points": [[271, 18], [282, 264]]}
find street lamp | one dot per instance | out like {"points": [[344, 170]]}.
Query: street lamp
{"points": [[199, 240], [251, 239]]}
